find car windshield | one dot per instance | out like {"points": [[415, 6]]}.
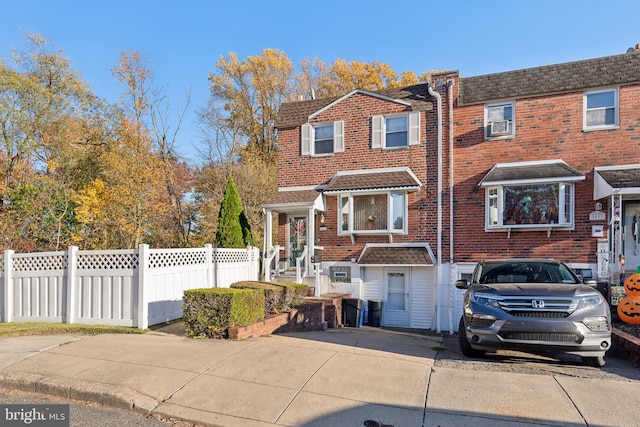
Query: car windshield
{"points": [[525, 272]]}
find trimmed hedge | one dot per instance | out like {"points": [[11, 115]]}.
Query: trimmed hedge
{"points": [[279, 296], [293, 294], [210, 312], [272, 295]]}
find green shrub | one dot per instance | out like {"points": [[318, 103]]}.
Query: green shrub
{"points": [[211, 312], [272, 294], [293, 294]]}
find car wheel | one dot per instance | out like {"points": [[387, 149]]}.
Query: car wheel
{"points": [[465, 347], [597, 361]]}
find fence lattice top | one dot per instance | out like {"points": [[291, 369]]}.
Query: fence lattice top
{"points": [[107, 261], [174, 259], [42, 262]]}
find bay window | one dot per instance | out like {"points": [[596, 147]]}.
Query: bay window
{"points": [[541, 205], [373, 212]]}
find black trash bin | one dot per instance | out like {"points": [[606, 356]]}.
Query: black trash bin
{"points": [[375, 312], [351, 312]]}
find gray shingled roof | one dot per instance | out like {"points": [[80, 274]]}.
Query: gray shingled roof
{"points": [[293, 114], [557, 78], [621, 178], [395, 255], [371, 181], [293, 197], [513, 172]]}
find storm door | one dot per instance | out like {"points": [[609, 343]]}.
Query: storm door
{"points": [[396, 306], [632, 236], [297, 238]]}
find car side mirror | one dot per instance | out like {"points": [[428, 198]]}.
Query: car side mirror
{"points": [[462, 284]]}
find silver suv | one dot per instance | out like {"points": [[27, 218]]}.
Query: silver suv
{"points": [[530, 305]]}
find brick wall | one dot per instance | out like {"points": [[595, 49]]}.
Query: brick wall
{"points": [[547, 128], [356, 111], [308, 317]]}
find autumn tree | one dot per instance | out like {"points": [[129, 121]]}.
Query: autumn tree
{"points": [[49, 127]]}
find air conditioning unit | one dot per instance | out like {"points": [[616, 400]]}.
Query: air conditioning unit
{"points": [[499, 128]]}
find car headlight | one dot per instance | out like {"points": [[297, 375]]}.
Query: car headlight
{"points": [[484, 299], [588, 301]]}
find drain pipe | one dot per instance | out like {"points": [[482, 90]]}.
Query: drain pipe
{"points": [[450, 84], [438, 98]]}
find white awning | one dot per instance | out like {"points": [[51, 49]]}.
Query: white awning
{"points": [[621, 180]]}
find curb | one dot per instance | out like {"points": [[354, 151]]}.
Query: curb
{"points": [[110, 395], [625, 346]]}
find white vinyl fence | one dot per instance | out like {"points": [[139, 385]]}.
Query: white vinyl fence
{"points": [[138, 287]]}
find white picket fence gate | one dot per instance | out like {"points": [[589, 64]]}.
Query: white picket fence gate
{"points": [[137, 288]]}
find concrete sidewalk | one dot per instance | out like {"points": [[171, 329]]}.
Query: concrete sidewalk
{"points": [[340, 377]]}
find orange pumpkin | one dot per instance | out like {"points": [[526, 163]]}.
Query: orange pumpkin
{"points": [[629, 309], [632, 284]]}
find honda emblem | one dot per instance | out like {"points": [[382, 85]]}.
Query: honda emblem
{"points": [[537, 303]]}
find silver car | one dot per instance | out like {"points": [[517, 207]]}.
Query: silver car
{"points": [[530, 305]]}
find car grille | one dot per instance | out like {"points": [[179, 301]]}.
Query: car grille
{"points": [[540, 314], [566, 337], [481, 323], [538, 306]]}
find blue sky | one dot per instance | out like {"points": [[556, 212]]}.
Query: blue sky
{"points": [[184, 39]]}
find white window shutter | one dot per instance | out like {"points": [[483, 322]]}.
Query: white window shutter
{"points": [[338, 136], [414, 128], [377, 128], [305, 148]]}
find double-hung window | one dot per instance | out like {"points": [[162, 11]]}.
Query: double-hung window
{"points": [[373, 212], [396, 130], [499, 120], [601, 109], [322, 139]]}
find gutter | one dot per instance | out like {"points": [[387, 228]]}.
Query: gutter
{"points": [[438, 98], [450, 84]]}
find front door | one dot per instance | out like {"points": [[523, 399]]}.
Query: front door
{"points": [[297, 238], [396, 306], [632, 236]]}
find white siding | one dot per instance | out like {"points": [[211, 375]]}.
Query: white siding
{"points": [[421, 305]]}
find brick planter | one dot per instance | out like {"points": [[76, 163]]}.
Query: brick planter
{"points": [[625, 345], [311, 316]]}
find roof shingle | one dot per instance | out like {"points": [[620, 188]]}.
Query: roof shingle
{"points": [[557, 78], [293, 114]]}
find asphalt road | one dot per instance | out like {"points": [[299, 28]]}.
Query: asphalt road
{"points": [[87, 414]]}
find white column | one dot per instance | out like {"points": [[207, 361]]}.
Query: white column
{"points": [[311, 239]]}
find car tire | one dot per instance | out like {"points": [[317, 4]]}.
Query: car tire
{"points": [[596, 361], [465, 346]]}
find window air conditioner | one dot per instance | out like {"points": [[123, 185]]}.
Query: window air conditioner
{"points": [[499, 128]]}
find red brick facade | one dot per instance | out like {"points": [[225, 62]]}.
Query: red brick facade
{"points": [[547, 127], [295, 170]]}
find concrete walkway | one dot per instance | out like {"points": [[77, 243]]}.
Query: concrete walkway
{"points": [[340, 377]]}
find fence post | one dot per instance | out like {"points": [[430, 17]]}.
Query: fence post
{"points": [[7, 309], [72, 296], [210, 279], [143, 303]]}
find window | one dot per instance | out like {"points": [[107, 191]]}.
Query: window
{"points": [[373, 212], [499, 119], [394, 131], [530, 206], [322, 139], [601, 109]]}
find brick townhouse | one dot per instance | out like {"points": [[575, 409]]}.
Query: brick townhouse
{"points": [[538, 162]]}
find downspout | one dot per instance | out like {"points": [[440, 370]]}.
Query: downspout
{"points": [[450, 84], [438, 98]]}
